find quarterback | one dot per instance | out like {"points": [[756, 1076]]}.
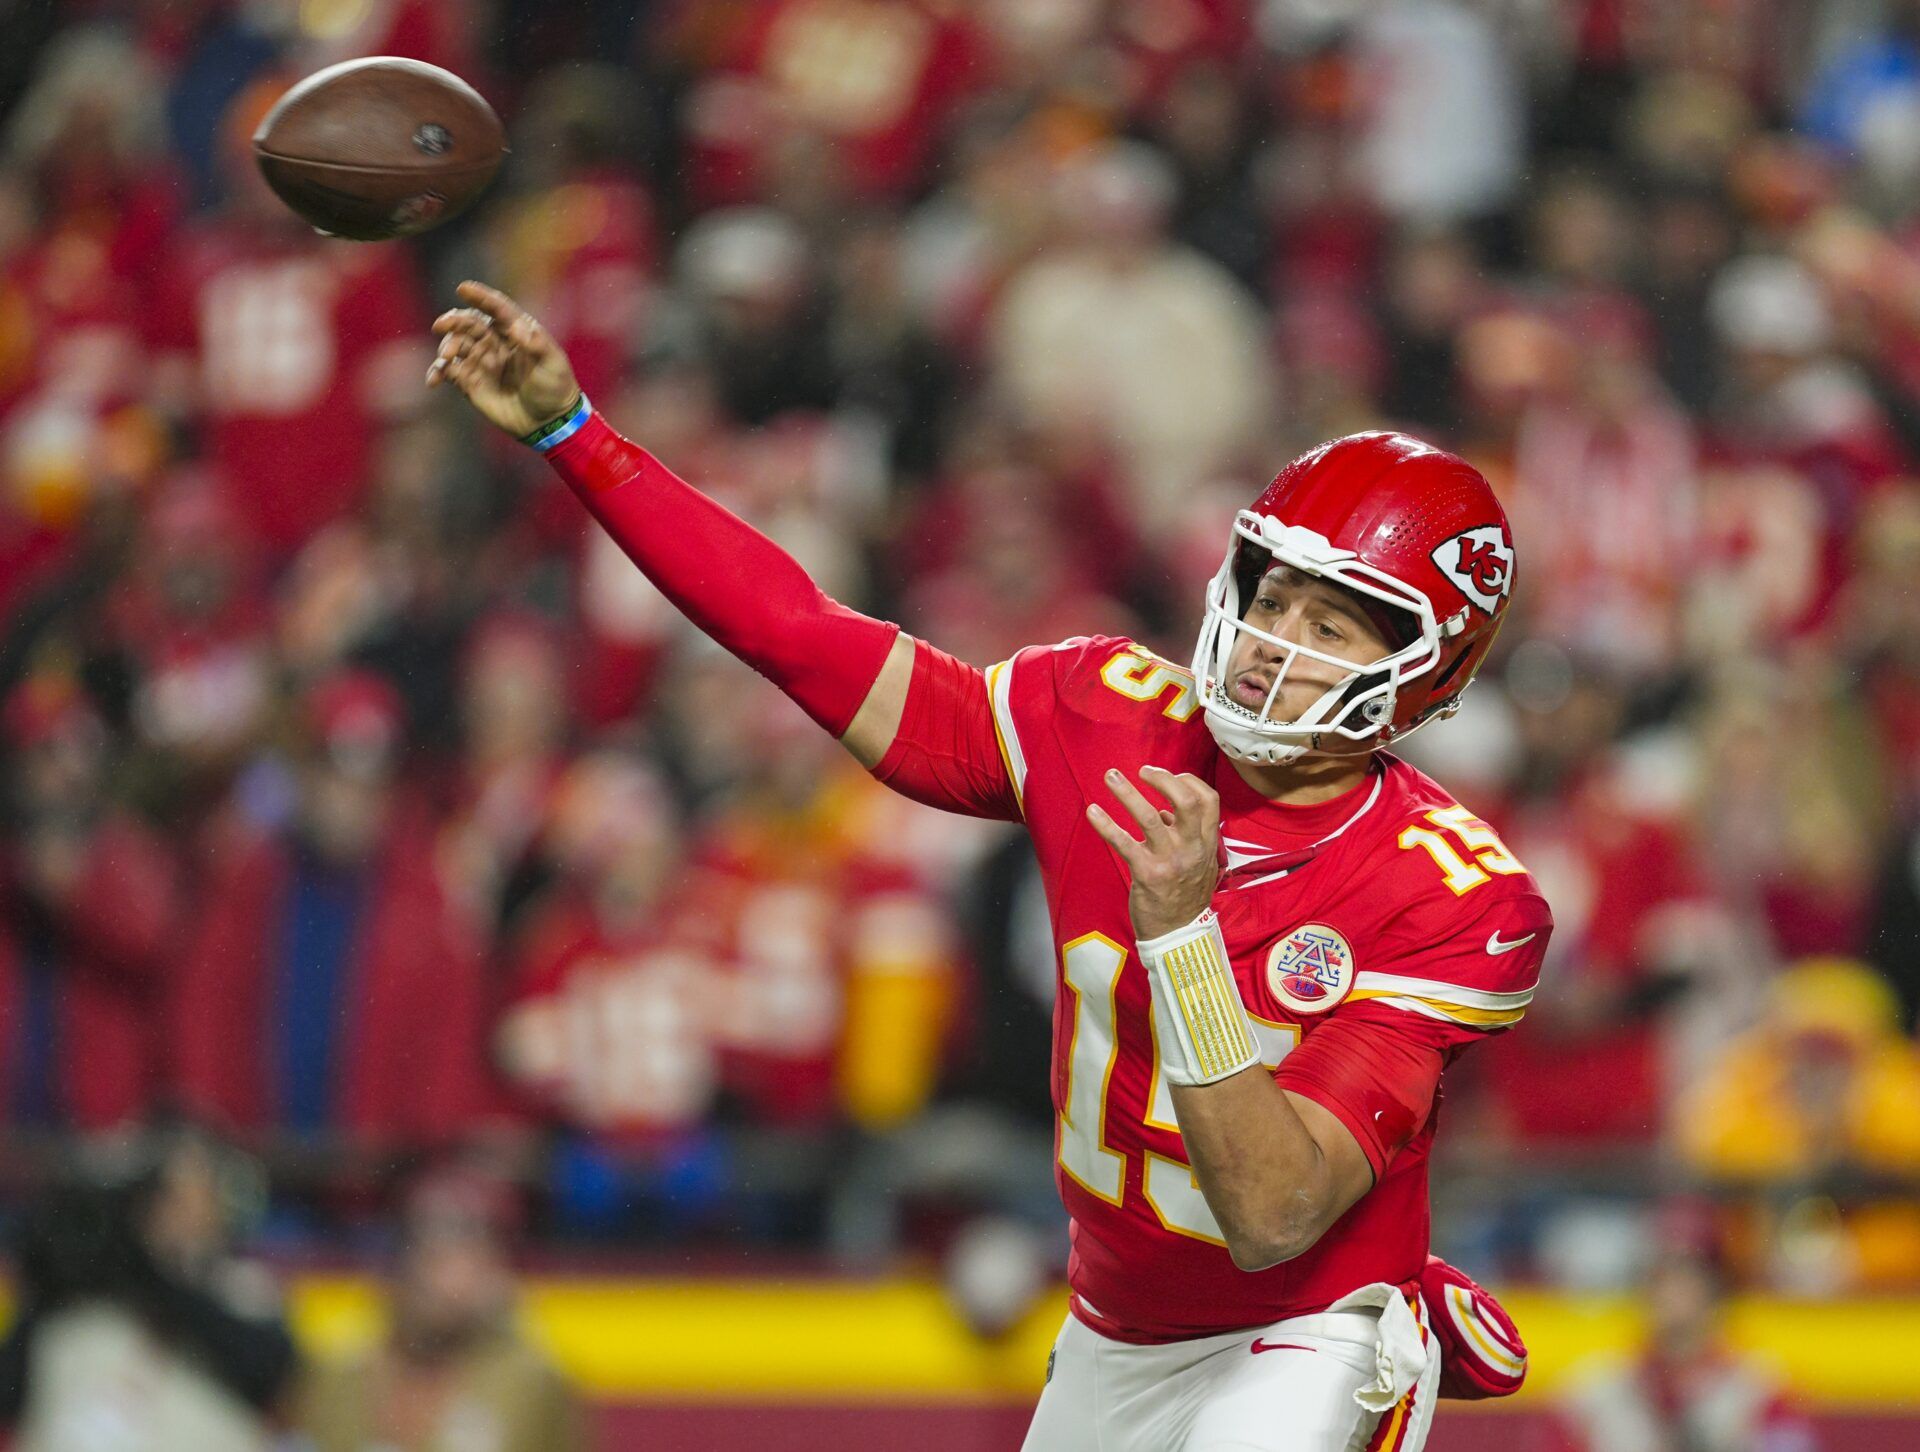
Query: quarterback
{"points": [[1273, 935]]}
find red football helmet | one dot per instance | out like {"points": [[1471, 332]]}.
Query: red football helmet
{"points": [[1413, 530]]}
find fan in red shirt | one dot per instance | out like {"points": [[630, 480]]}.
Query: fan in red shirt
{"points": [[836, 963], [608, 1024], [327, 988], [868, 84], [1264, 973], [285, 348], [89, 904]]}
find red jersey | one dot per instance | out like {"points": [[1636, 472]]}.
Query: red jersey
{"points": [[1372, 937], [836, 966], [293, 342], [875, 81], [611, 1032]]}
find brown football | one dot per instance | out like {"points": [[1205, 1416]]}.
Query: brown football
{"points": [[380, 147]]}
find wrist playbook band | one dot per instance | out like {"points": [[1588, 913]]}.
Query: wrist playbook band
{"points": [[556, 431], [1202, 1024]]}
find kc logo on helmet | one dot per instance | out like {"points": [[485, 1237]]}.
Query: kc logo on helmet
{"points": [[1480, 562], [1310, 969]]}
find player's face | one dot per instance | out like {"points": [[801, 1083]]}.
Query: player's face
{"points": [[1296, 607]]}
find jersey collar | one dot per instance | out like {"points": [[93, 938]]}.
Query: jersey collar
{"points": [[1279, 822], [1261, 839]]}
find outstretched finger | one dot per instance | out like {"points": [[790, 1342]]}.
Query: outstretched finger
{"points": [[1153, 821], [491, 301], [462, 322], [510, 320], [1115, 836]]}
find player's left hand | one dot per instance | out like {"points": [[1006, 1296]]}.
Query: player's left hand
{"points": [[1175, 864]]}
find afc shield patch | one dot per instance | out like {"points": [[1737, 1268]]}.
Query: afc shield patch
{"points": [[1480, 563], [1310, 970]]}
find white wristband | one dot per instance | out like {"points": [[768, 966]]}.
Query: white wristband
{"points": [[1202, 1024]]}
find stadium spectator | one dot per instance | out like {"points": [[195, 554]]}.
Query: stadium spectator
{"points": [[838, 967], [868, 85], [1431, 284], [1625, 873], [1683, 1386], [995, 570], [89, 912], [187, 625], [453, 1369], [1441, 137], [283, 352], [513, 731], [398, 586], [86, 211], [581, 236], [137, 1324], [1821, 1097], [895, 381], [610, 1027], [756, 312], [328, 988], [1603, 490], [1119, 329]]}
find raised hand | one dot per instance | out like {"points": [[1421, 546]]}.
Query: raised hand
{"points": [[1175, 864], [497, 354]]}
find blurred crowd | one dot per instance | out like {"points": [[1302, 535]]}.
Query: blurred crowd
{"points": [[365, 807]]}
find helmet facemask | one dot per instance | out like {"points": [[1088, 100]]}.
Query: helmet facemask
{"points": [[1359, 706]]}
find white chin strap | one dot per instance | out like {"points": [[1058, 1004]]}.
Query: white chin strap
{"points": [[1342, 713], [1244, 742]]}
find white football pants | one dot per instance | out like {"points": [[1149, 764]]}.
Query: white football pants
{"points": [[1357, 1377]]}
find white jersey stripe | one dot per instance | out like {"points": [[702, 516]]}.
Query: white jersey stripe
{"points": [[999, 690], [1443, 992]]}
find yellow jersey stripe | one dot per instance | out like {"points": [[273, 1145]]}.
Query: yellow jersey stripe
{"points": [[1467, 1317], [1436, 1008]]}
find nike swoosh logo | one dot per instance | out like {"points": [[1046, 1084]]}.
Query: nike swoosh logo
{"points": [[1496, 947], [1260, 1346]]}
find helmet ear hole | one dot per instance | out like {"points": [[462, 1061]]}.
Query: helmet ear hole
{"points": [[1448, 672]]}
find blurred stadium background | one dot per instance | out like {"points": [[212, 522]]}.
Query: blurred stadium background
{"points": [[402, 920]]}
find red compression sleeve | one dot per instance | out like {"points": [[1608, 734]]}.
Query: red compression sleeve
{"points": [[946, 752], [1376, 1070], [726, 577]]}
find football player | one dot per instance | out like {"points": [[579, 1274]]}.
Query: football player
{"points": [[1273, 935]]}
